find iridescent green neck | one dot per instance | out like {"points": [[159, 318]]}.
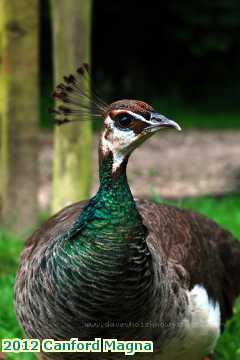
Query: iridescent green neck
{"points": [[114, 192], [107, 246], [113, 207], [111, 216]]}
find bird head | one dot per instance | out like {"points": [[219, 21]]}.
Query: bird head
{"points": [[127, 123]]}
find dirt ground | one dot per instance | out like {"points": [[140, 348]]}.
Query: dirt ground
{"points": [[170, 164]]}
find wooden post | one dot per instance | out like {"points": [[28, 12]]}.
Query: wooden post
{"points": [[72, 143], [19, 112]]}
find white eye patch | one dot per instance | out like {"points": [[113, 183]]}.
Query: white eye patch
{"points": [[117, 141]]}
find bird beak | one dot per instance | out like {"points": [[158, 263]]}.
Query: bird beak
{"points": [[159, 122]]}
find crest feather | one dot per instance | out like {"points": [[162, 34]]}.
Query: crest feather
{"points": [[74, 99]]}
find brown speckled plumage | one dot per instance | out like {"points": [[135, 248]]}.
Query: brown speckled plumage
{"points": [[194, 250], [199, 251]]}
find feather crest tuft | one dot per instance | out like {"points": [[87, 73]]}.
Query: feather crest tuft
{"points": [[74, 100]]}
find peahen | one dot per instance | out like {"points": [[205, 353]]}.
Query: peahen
{"points": [[115, 267]]}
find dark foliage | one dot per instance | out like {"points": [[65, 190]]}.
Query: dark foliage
{"points": [[175, 50], [189, 48]]}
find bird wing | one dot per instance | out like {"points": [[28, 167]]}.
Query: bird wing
{"points": [[197, 250]]}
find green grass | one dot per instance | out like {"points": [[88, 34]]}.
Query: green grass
{"points": [[10, 248], [225, 210]]}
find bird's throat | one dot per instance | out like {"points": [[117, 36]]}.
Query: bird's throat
{"points": [[115, 199], [111, 216]]}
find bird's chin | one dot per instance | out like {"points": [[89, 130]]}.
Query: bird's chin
{"points": [[142, 138]]}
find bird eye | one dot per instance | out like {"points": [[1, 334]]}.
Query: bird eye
{"points": [[123, 120]]}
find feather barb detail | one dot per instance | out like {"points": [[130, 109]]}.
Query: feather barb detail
{"points": [[75, 100]]}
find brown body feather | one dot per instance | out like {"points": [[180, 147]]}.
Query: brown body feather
{"points": [[195, 249]]}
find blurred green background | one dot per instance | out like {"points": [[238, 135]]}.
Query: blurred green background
{"points": [[181, 57]]}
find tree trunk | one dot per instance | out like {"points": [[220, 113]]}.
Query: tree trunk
{"points": [[72, 143], [1, 111], [19, 112]]}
